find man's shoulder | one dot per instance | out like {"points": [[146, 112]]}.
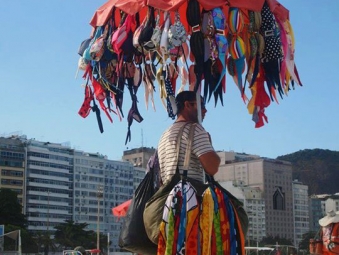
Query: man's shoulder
{"points": [[165, 135], [199, 128]]}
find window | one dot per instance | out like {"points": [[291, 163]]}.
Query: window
{"points": [[14, 173], [11, 163], [13, 155], [11, 182], [278, 199]]}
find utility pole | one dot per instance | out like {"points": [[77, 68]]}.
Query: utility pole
{"points": [[99, 195], [108, 243], [19, 245], [48, 212]]}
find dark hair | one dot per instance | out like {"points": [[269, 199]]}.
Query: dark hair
{"points": [[182, 97]]}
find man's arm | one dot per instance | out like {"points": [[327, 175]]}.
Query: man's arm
{"points": [[210, 162], [208, 158]]}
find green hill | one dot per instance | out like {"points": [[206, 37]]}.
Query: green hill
{"points": [[317, 168]]}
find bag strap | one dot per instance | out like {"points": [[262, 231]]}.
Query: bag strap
{"points": [[189, 147], [178, 142], [188, 151]]}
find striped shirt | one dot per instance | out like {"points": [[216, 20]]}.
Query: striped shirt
{"points": [[168, 156]]}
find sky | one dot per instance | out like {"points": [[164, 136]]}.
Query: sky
{"points": [[40, 97]]}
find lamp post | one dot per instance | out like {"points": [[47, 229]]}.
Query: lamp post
{"points": [[48, 212], [99, 195]]}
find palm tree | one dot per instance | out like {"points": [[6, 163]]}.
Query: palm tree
{"points": [[37, 237], [44, 241], [70, 235], [304, 243]]}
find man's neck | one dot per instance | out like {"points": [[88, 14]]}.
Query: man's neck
{"points": [[181, 119]]}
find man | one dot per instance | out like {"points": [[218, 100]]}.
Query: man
{"points": [[203, 157]]}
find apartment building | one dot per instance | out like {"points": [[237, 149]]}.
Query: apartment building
{"points": [[332, 203], [315, 212], [254, 205], [12, 166], [274, 179], [301, 211], [56, 183], [101, 184], [138, 157], [49, 184]]}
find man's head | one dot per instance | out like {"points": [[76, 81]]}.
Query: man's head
{"points": [[187, 106]]}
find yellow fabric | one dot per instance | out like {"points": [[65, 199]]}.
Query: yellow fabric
{"points": [[206, 222]]}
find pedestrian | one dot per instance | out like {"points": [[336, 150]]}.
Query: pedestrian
{"points": [[203, 156]]}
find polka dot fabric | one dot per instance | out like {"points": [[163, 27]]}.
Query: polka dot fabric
{"points": [[270, 32]]}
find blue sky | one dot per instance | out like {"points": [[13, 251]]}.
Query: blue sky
{"points": [[40, 96]]}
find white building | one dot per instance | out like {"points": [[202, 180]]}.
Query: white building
{"points": [[99, 185], [332, 203], [48, 184], [301, 211], [57, 183], [254, 205]]}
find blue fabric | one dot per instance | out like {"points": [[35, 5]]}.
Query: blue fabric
{"points": [[170, 93], [219, 23], [183, 219], [231, 218]]}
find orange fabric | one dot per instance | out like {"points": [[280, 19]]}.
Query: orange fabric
{"points": [[166, 5], [278, 10], [249, 5], [121, 209], [103, 13], [241, 234], [130, 7], [209, 5], [192, 235], [330, 234]]}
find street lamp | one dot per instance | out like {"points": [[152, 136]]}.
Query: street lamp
{"points": [[99, 195]]}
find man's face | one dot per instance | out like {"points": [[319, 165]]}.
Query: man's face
{"points": [[193, 110]]}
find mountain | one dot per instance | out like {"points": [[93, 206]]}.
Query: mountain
{"points": [[317, 168]]}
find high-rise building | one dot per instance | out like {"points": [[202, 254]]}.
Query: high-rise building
{"points": [[254, 205], [56, 183], [301, 211], [274, 179], [49, 184], [138, 157], [332, 203], [101, 184], [12, 166], [315, 212]]}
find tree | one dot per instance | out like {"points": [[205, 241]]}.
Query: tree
{"points": [[305, 241], [10, 209], [27, 242], [13, 219], [270, 240], [44, 242], [70, 235]]}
